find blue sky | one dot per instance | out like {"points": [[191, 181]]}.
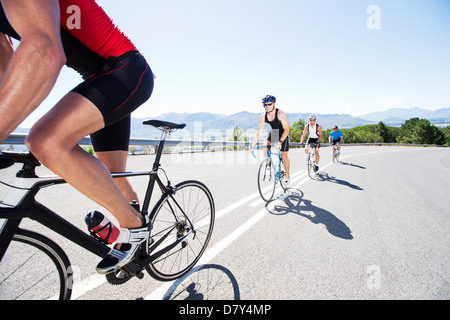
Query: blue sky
{"points": [[223, 56]]}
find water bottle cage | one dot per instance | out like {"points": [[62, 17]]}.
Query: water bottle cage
{"points": [[95, 235]]}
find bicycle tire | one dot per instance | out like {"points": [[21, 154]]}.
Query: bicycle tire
{"points": [[266, 180], [310, 165], [282, 175], [35, 268], [167, 215]]}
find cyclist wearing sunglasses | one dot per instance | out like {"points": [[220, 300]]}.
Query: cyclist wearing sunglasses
{"points": [[337, 137], [279, 133], [315, 136]]}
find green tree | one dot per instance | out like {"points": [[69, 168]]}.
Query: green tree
{"points": [[420, 131], [386, 133], [446, 132], [296, 131], [238, 135]]}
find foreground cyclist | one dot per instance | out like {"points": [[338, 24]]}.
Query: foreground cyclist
{"points": [[279, 133], [336, 137], [117, 80], [315, 136]]}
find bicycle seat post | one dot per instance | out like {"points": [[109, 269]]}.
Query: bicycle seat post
{"points": [[159, 150]]}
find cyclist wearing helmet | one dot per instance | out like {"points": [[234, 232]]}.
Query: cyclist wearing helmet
{"points": [[315, 136], [279, 133], [337, 137]]}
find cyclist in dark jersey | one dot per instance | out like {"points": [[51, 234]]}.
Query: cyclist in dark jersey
{"points": [[117, 80], [279, 134]]}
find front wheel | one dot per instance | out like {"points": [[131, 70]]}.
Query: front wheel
{"points": [[310, 164], [182, 224], [283, 184], [266, 180], [34, 268]]}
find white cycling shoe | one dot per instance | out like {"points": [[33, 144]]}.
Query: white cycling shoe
{"points": [[130, 240]]}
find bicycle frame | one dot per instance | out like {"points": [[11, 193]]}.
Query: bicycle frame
{"points": [[21, 203], [269, 155], [312, 151], [278, 167]]}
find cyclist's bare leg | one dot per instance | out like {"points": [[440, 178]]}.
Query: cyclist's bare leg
{"points": [[116, 161], [266, 148], [287, 163], [317, 155], [54, 141]]}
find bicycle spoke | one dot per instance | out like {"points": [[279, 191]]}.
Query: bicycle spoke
{"points": [[190, 213]]}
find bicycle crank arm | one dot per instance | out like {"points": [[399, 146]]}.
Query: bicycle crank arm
{"points": [[164, 250]]}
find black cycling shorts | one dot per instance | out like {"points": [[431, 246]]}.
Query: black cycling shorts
{"points": [[123, 84], [314, 140], [336, 141], [284, 145]]}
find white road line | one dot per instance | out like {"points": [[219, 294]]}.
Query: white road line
{"points": [[96, 280], [294, 179], [211, 253]]}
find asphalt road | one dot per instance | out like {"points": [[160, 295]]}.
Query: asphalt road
{"points": [[375, 226]]}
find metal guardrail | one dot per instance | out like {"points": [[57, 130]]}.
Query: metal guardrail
{"points": [[19, 138]]}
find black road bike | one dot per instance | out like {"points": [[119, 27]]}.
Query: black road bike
{"points": [[32, 266]]}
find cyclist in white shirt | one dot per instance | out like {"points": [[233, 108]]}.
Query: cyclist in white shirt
{"points": [[315, 136]]}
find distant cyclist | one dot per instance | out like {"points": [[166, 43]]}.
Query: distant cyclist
{"points": [[315, 136], [336, 137], [279, 135]]}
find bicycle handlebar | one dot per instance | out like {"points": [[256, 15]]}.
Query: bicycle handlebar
{"points": [[253, 152]]}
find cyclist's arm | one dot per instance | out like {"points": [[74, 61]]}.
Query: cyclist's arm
{"points": [[329, 138], [6, 52], [305, 130], [258, 132], [285, 124], [319, 128], [35, 65]]}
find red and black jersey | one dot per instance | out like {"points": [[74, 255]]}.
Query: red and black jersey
{"points": [[89, 36]]}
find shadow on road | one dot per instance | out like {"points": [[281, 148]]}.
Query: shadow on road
{"points": [[293, 202], [323, 176], [205, 282], [351, 164]]}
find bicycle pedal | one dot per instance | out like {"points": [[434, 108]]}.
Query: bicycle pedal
{"points": [[133, 269]]}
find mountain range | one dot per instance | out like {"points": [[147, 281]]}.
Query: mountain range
{"points": [[206, 125]]}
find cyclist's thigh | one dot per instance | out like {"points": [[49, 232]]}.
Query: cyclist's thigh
{"points": [[285, 145], [69, 121]]}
